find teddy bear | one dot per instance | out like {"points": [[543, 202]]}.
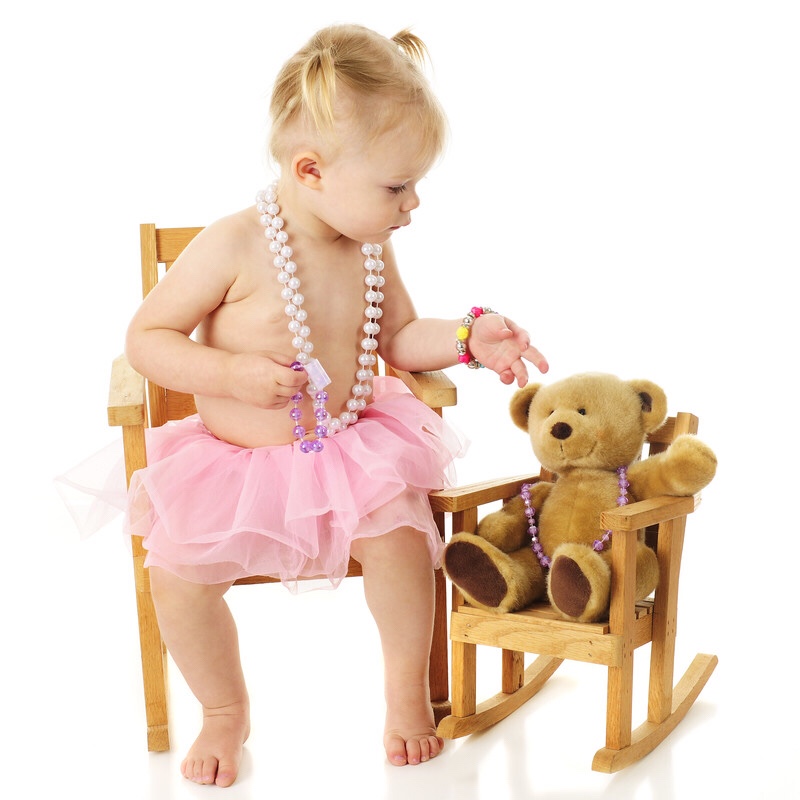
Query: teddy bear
{"points": [[588, 429]]}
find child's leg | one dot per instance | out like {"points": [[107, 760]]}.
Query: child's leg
{"points": [[399, 587], [200, 634]]}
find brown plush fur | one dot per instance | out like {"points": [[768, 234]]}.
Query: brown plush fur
{"points": [[581, 428]]}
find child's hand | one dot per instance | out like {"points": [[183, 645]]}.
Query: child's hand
{"points": [[260, 381], [499, 344]]}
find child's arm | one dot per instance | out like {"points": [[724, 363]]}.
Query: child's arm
{"points": [[495, 341], [158, 343], [418, 345]]}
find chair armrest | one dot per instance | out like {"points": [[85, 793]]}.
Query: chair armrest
{"points": [[434, 389], [126, 397], [643, 513], [461, 498]]}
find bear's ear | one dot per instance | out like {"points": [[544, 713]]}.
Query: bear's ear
{"points": [[654, 403], [521, 402]]}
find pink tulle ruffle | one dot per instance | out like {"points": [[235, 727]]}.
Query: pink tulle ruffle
{"points": [[212, 512]]}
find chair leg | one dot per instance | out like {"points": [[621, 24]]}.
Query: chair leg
{"points": [[470, 717], [438, 669], [665, 622], [154, 662], [649, 735], [464, 679], [513, 671], [666, 706]]}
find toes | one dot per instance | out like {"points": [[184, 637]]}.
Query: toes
{"points": [[415, 750], [201, 771], [396, 750], [226, 774]]}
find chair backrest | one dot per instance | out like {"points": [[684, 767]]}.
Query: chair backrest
{"points": [[159, 248]]}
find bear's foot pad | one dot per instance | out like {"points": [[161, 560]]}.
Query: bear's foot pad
{"points": [[570, 589], [475, 573]]}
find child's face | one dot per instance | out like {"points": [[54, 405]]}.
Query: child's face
{"points": [[369, 191]]}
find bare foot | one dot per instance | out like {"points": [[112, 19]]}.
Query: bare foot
{"points": [[217, 752], [410, 735]]}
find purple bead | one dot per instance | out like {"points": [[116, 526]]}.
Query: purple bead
{"points": [[321, 431], [297, 366], [598, 545], [322, 396], [321, 414], [295, 414], [305, 446], [299, 431], [317, 446]]}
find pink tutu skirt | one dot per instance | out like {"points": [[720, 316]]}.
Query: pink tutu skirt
{"points": [[212, 512]]}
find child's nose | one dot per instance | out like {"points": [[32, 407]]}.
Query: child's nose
{"points": [[410, 201]]}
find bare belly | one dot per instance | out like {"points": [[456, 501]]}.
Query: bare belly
{"points": [[246, 426]]}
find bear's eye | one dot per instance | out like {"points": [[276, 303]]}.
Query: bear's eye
{"points": [[582, 412]]}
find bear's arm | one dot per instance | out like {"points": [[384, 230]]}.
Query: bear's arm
{"points": [[507, 529], [684, 468]]}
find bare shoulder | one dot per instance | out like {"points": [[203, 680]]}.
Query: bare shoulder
{"points": [[222, 247], [230, 234]]}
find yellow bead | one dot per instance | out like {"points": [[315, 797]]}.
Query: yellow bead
{"points": [[462, 333]]}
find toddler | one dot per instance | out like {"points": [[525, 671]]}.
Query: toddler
{"points": [[300, 455]]}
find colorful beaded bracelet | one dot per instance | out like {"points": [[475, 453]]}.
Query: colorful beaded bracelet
{"points": [[462, 335]]}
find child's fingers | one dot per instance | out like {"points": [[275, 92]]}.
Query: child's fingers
{"points": [[536, 358]]}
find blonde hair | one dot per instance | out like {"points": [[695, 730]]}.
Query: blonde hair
{"points": [[382, 79]]}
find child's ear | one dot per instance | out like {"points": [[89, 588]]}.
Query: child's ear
{"points": [[305, 169]]}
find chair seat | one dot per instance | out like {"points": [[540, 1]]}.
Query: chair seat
{"points": [[539, 629]]}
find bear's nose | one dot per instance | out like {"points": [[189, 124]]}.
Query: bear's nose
{"points": [[561, 430]]}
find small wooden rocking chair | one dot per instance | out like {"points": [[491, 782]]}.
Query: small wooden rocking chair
{"points": [[539, 630], [135, 404]]}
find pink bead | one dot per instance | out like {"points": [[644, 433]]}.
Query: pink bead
{"points": [[476, 311], [463, 358]]}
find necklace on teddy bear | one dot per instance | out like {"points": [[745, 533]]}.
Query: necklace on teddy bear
{"points": [[530, 512]]}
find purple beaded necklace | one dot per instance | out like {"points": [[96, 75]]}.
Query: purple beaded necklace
{"points": [[530, 512]]}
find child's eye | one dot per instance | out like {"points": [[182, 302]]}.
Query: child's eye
{"points": [[397, 189]]}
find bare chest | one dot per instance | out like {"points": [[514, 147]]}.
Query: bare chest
{"points": [[257, 312]]}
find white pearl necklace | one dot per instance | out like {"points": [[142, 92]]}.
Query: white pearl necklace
{"points": [[267, 206]]}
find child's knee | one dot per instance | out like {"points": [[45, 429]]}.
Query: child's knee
{"points": [[166, 587], [404, 546]]}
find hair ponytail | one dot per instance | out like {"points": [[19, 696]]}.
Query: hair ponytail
{"points": [[318, 87], [412, 46]]}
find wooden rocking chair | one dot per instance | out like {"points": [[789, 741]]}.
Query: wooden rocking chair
{"points": [[539, 630], [135, 404]]}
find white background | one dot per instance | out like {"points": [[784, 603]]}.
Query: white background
{"points": [[622, 180]]}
